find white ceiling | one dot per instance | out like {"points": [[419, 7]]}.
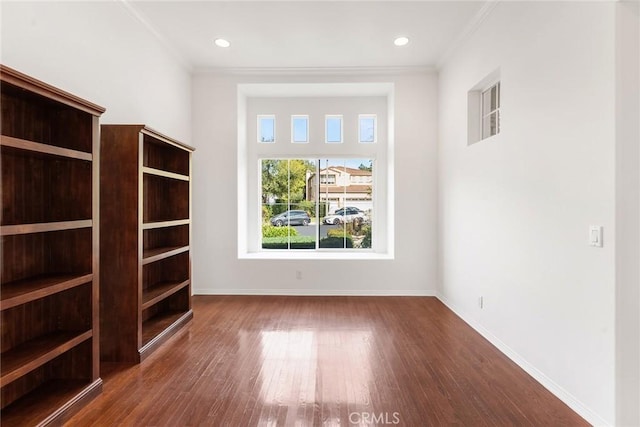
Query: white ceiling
{"points": [[308, 34]]}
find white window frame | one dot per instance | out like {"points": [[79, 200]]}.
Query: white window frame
{"points": [[326, 179], [259, 128], [375, 127], [318, 168], [327, 117], [293, 119], [484, 114], [475, 109]]}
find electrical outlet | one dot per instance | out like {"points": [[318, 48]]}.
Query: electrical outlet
{"points": [[481, 302], [298, 274]]}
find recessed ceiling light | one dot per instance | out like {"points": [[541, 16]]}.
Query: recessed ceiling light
{"points": [[401, 41], [222, 43]]}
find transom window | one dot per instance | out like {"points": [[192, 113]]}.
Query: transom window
{"points": [[367, 128], [299, 129], [333, 129], [266, 128]]}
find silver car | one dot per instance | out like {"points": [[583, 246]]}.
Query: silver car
{"points": [[346, 214]]}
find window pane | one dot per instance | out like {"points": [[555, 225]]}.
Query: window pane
{"points": [[288, 217], [367, 129], [300, 129], [334, 129], [300, 211], [486, 103], [267, 129], [348, 200], [490, 100], [490, 125]]}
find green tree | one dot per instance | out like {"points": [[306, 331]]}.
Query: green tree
{"points": [[364, 167], [285, 179]]}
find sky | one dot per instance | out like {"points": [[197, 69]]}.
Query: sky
{"points": [[350, 163]]}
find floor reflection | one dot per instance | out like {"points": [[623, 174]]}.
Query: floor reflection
{"points": [[316, 374]]}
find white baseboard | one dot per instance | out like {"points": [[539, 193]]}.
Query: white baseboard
{"points": [[570, 400], [319, 292]]}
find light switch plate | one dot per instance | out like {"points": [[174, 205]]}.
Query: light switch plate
{"points": [[595, 236]]}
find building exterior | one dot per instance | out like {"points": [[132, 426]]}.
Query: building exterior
{"points": [[342, 186]]}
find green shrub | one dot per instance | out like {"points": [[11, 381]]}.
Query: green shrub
{"points": [[271, 231], [337, 242], [296, 242], [338, 232], [366, 242], [278, 208], [305, 205]]}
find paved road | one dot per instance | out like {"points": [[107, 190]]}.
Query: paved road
{"points": [[310, 230]]}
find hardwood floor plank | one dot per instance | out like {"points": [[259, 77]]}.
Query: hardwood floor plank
{"points": [[323, 361]]}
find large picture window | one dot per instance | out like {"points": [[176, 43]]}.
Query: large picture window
{"points": [[316, 204], [329, 198]]}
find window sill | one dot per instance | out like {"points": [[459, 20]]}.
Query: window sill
{"points": [[315, 255]]}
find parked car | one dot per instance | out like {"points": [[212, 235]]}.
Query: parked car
{"points": [[291, 218], [346, 214]]}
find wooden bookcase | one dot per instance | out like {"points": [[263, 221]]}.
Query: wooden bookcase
{"points": [[49, 155], [145, 224]]}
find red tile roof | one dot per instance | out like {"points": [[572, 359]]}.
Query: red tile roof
{"points": [[341, 189]]}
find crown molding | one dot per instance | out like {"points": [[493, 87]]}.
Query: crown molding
{"points": [[467, 32], [170, 48], [315, 71]]}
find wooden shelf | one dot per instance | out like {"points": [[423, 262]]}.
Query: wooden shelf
{"points": [[12, 230], [163, 224], [165, 174], [27, 290], [50, 153], [35, 408], [153, 255], [34, 353], [155, 135], [161, 291], [37, 147], [165, 199], [155, 326], [28, 83], [145, 260]]}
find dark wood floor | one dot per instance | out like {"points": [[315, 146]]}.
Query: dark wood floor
{"points": [[324, 361]]}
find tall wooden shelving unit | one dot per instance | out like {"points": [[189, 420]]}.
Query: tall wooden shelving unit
{"points": [[145, 243], [49, 357]]}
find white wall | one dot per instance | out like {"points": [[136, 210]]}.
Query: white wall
{"points": [[216, 266], [514, 210], [100, 52], [628, 213]]}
